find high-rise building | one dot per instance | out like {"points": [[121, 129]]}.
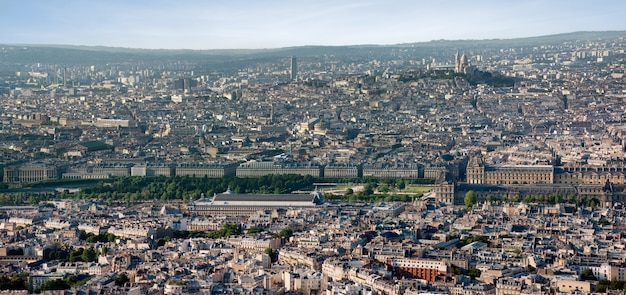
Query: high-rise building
{"points": [[294, 68]]}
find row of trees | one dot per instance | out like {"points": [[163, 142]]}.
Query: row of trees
{"points": [[15, 251], [284, 233], [368, 194], [352, 197], [62, 284], [92, 238], [131, 189], [16, 282], [473, 272], [604, 285], [20, 282], [400, 183], [177, 187], [379, 198], [549, 199], [470, 199], [21, 198], [64, 254]]}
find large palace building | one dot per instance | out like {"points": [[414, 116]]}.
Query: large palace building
{"points": [[31, 172], [479, 173], [231, 204], [590, 175], [606, 185]]}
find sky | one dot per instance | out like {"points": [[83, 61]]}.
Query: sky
{"points": [[251, 24]]}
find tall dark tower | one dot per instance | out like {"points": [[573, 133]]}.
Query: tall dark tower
{"points": [[294, 68]]}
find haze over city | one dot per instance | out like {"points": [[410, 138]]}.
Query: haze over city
{"points": [[272, 24]]}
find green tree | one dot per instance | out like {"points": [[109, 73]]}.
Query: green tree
{"points": [[541, 198], [583, 201], [571, 200], [383, 188], [254, 230], [58, 284], [367, 190], [587, 275], [285, 233], [161, 241], [227, 230], [474, 273], [76, 255], [559, 199], [231, 229], [17, 282], [15, 251], [110, 237], [470, 199], [121, 279], [602, 286], [273, 254], [89, 255], [455, 269]]}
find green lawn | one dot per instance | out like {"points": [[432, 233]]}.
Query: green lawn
{"points": [[336, 187], [417, 189]]}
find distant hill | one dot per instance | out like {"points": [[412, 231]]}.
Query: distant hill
{"points": [[528, 41], [91, 55]]}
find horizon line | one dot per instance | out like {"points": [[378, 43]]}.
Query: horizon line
{"points": [[310, 45]]}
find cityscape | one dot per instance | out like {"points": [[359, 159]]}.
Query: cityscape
{"points": [[466, 167]]}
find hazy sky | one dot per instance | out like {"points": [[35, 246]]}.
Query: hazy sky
{"points": [[216, 24]]}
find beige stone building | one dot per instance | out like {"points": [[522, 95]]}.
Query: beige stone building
{"points": [[30, 173], [479, 173]]}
